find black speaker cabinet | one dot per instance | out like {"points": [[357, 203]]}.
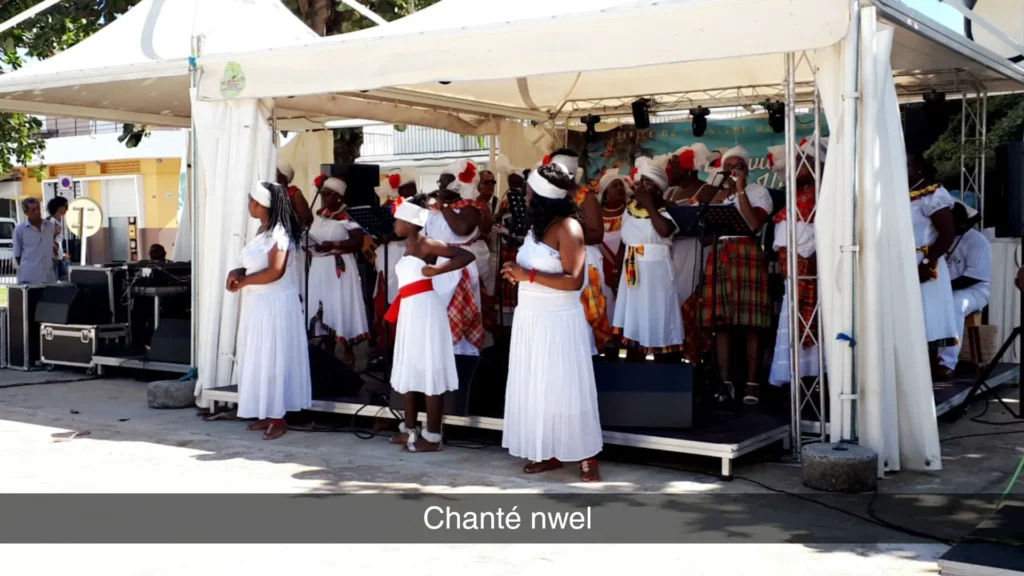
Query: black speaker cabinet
{"points": [[479, 394], [644, 394], [1004, 194], [362, 180], [71, 345], [22, 329], [172, 342], [332, 379], [65, 304], [105, 286]]}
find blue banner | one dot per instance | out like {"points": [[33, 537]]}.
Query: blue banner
{"points": [[618, 148]]}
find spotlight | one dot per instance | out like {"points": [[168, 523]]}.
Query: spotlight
{"points": [[935, 111], [776, 115], [700, 120], [590, 121], [444, 82], [642, 113]]}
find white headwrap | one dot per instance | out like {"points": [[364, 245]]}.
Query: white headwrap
{"points": [[737, 152], [807, 147], [570, 163], [412, 214], [971, 212], [336, 185], [542, 187], [467, 176], [777, 158], [287, 170], [606, 181], [261, 194], [694, 156], [653, 169]]}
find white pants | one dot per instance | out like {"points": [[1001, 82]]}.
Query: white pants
{"points": [[965, 302]]}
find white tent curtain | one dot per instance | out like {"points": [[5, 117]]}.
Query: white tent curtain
{"points": [[306, 153], [236, 149], [896, 409], [182, 249]]}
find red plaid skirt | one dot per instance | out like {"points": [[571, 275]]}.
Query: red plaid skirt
{"points": [[464, 316], [807, 296]]}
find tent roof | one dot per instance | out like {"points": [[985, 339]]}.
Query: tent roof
{"points": [[137, 68], [529, 59]]}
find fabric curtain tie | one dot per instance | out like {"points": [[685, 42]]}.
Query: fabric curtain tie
{"points": [[408, 291]]}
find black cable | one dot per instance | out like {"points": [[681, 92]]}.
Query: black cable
{"points": [[1005, 433], [44, 382]]}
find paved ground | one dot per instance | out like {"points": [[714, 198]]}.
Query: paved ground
{"points": [[131, 449]]}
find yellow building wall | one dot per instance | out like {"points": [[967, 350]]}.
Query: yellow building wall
{"points": [[160, 178]]}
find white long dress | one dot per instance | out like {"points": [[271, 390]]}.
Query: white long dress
{"points": [[438, 229], [612, 241], [341, 296], [809, 363], [273, 356], [971, 256], [551, 400], [424, 360], [648, 314], [686, 262], [940, 321]]}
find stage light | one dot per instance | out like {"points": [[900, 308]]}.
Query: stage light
{"points": [[700, 120], [591, 122], [642, 113], [776, 116], [935, 111]]}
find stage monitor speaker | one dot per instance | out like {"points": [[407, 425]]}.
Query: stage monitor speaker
{"points": [[1004, 194], [480, 393], [361, 179], [332, 378], [172, 342], [644, 394], [65, 304], [105, 285], [22, 329]]}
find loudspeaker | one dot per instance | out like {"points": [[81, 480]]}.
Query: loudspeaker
{"points": [[361, 179], [644, 394], [641, 113], [1004, 194], [22, 329], [65, 304], [172, 342], [479, 393], [105, 285], [332, 378]]}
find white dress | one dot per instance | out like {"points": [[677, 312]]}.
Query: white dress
{"points": [[424, 360], [612, 242], [648, 314], [971, 256], [940, 322], [342, 297], [273, 356], [551, 400], [809, 363], [438, 229]]}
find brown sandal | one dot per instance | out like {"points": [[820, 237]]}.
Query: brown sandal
{"points": [[589, 471], [543, 466], [258, 425], [276, 430]]}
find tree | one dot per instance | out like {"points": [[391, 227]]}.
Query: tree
{"points": [[1005, 122]]}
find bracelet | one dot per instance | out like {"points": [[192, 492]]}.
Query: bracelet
{"points": [[533, 274]]}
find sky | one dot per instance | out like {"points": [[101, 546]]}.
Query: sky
{"points": [[938, 11]]}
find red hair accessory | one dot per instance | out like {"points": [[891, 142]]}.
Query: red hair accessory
{"points": [[546, 160], [397, 202], [687, 160], [802, 142], [395, 180], [467, 175], [633, 173], [717, 163], [319, 181], [771, 160]]}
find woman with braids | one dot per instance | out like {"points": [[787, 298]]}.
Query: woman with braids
{"points": [[336, 307], [612, 190], [273, 361], [424, 363], [551, 401]]}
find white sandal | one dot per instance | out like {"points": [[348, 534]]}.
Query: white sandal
{"points": [[428, 436], [750, 399]]}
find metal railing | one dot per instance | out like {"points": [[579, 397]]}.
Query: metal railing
{"points": [[64, 127], [389, 140]]}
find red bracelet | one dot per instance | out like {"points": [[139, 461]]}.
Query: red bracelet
{"points": [[533, 274]]}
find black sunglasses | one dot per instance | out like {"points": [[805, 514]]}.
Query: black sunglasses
{"points": [[489, 182]]}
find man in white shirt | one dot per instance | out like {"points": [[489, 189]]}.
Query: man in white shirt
{"points": [[970, 271]]}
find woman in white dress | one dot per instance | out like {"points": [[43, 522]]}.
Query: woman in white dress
{"points": [[424, 362], [551, 413], [273, 360], [336, 308], [647, 312], [931, 212], [612, 190]]}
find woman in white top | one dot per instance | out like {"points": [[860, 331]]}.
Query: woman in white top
{"points": [[551, 413], [612, 193], [932, 217], [336, 307], [273, 359], [424, 363]]}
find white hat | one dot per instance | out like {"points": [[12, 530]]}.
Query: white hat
{"points": [[287, 170], [335, 185], [971, 212], [400, 178], [606, 180], [467, 176], [412, 214], [542, 187], [694, 156], [453, 168], [570, 163], [502, 165], [777, 158], [654, 170], [261, 194], [808, 147], [736, 152]]}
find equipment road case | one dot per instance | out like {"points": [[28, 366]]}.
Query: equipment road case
{"points": [[75, 345]]}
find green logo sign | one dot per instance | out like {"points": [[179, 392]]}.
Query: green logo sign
{"points": [[233, 82]]}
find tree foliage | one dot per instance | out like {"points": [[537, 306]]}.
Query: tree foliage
{"points": [[1005, 121]]}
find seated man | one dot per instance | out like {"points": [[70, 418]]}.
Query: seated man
{"points": [[970, 271], [157, 253]]}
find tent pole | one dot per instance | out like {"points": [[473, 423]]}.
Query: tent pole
{"points": [[194, 207], [792, 307]]}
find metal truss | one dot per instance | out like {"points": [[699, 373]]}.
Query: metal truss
{"points": [[973, 137]]}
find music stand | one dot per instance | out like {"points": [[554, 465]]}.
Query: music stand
{"points": [[379, 224], [517, 222], [714, 221]]}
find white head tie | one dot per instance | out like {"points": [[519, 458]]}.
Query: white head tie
{"points": [[261, 194], [542, 187], [336, 185], [412, 214]]}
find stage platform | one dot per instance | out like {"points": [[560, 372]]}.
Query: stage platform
{"points": [[722, 435], [995, 548], [137, 363]]}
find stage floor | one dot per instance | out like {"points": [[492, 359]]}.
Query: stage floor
{"points": [[722, 435]]}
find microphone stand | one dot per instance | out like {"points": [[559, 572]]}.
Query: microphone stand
{"points": [[308, 260]]}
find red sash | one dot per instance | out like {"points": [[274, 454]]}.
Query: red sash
{"points": [[408, 291]]}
